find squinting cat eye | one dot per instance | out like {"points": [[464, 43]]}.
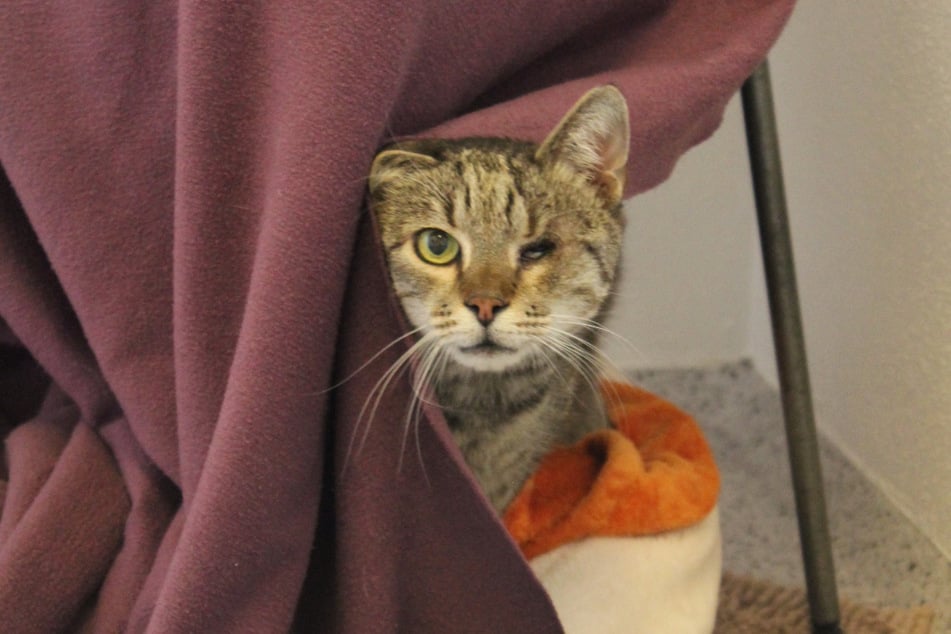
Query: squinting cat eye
{"points": [[436, 247], [536, 250]]}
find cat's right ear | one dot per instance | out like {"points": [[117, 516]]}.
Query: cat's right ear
{"points": [[392, 164], [592, 140]]}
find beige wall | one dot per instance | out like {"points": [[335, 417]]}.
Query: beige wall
{"points": [[863, 94], [684, 292], [864, 100]]}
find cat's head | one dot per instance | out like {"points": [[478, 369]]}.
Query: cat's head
{"points": [[500, 250]]}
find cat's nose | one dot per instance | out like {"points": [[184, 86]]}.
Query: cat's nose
{"points": [[485, 308]]}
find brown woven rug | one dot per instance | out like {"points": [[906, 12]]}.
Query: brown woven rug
{"points": [[757, 607]]}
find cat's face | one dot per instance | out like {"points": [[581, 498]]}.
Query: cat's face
{"points": [[500, 251]]}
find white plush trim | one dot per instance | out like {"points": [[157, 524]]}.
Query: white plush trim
{"points": [[660, 584]]}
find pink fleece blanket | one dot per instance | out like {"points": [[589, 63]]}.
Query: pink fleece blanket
{"points": [[186, 268]]}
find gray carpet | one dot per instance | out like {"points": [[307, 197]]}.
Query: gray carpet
{"points": [[881, 558]]}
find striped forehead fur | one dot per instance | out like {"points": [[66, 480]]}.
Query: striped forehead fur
{"points": [[488, 183]]}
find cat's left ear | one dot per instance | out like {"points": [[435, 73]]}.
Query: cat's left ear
{"points": [[593, 139], [396, 163]]}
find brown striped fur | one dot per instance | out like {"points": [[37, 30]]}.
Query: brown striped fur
{"points": [[508, 328]]}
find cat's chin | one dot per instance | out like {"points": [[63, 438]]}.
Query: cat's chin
{"points": [[489, 357]]}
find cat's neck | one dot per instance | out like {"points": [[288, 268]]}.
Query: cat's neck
{"points": [[499, 395], [506, 422]]}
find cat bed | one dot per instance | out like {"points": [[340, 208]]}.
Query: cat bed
{"points": [[622, 528]]}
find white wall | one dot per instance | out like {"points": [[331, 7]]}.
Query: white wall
{"points": [[864, 102], [689, 247], [863, 94]]}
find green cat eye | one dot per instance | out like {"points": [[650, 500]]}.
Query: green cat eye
{"points": [[436, 247]]}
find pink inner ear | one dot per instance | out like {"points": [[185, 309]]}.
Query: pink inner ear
{"points": [[604, 160], [593, 138], [613, 153]]}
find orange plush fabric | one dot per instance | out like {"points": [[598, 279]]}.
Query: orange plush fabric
{"points": [[653, 472]]}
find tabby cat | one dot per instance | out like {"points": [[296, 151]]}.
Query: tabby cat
{"points": [[502, 254]]}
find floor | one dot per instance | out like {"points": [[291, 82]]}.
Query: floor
{"points": [[880, 557]]}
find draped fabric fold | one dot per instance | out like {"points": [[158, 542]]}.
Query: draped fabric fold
{"points": [[187, 269]]}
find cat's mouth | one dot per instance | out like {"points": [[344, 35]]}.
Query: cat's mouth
{"points": [[487, 347], [489, 356]]}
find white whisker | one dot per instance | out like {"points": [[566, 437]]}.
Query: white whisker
{"points": [[427, 375], [426, 367], [543, 346], [609, 371], [593, 325], [584, 361], [370, 360], [375, 395], [580, 364]]}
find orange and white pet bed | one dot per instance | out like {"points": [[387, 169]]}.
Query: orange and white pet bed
{"points": [[622, 529]]}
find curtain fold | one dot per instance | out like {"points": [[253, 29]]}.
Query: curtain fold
{"points": [[187, 272]]}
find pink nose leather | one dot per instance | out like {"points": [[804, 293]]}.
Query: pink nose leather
{"points": [[485, 308]]}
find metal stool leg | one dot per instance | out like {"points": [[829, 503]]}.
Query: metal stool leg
{"points": [[790, 350]]}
